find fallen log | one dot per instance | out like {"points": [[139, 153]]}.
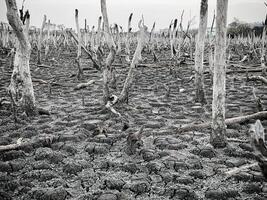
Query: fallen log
{"points": [[245, 70], [250, 67], [236, 170], [36, 80], [230, 121], [62, 84], [41, 65], [257, 78], [242, 71], [41, 141], [42, 111], [84, 85], [11, 146], [237, 140]]}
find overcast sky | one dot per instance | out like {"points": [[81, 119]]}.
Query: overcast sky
{"points": [[160, 11]]}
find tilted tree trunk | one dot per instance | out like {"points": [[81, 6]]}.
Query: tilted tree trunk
{"points": [[230, 121], [111, 56], [199, 55], [21, 76], [180, 37], [88, 52], [217, 137], [40, 39], [79, 51], [129, 79]]}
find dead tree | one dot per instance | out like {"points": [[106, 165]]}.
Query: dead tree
{"points": [[123, 97], [211, 55], [258, 101], [117, 31], [40, 39], [127, 43], [21, 76], [85, 34], [199, 55], [79, 51], [98, 36], [258, 144], [217, 137], [88, 52], [134, 141], [151, 46], [136, 58], [111, 56], [47, 43], [179, 35], [263, 49], [172, 34]]}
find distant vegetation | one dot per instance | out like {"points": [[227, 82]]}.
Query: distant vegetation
{"points": [[238, 27]]}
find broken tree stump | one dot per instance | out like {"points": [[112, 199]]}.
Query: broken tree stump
{"points": [[134, 141], [84, 85], [258, 143]]}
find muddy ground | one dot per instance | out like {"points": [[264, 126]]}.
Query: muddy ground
{"points": [[68, 158]]}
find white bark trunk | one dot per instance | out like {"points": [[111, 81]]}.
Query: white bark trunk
{"points": [[112, 53], [127, 43], [40, 40], [199, 56], [79, 51], [98, 36], [47, 43], [217, 138], [136, 58], [263, 50], [21, 75]]}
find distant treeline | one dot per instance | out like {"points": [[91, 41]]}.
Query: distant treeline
{"points": [[238, 28]]}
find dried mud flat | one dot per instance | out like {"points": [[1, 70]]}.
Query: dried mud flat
{"points": [[68, 158]]}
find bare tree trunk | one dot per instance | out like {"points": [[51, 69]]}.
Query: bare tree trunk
{"points": [[47, 43], [92, 39], [127, 43], [172, 34], [199, 56], [217, 137], [79, 51], [112, 53], [21, 76], [98, 35], [85, 34], [129, 79], [263, 50], [40, 39], [211, 55], [180, 35], [118, 51]]}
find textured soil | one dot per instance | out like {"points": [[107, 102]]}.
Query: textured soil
{"points": [[69, 156]]}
